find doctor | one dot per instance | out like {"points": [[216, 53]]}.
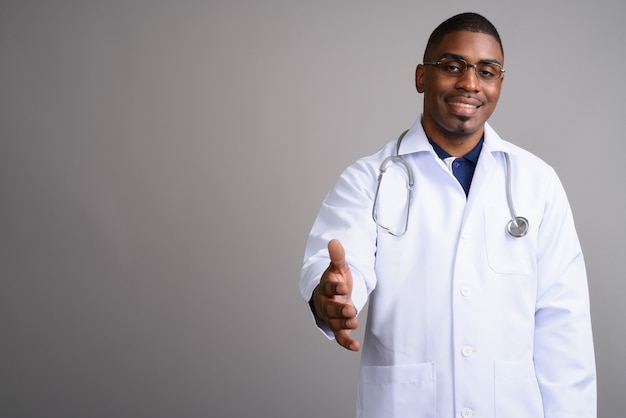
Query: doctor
{"points": [[464, 318]]}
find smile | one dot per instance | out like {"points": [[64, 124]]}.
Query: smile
{"points": [[464, 105]]}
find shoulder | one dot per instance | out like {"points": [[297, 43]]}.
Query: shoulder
{"points": [[520, 156], [359, 179], [371, 163]]}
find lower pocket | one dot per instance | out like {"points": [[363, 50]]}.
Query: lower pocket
{"points": [[517, 391], [397, 391]]}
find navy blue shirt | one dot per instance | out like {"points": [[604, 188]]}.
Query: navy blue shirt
{"points": [[463, 167]]}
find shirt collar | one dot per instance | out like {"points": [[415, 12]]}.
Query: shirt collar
{"points": [[471, 156]]}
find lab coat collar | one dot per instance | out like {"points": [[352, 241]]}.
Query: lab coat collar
{"points": [[416, 141]]}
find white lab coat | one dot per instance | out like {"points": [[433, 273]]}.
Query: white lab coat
{"points": [[463, 319]]}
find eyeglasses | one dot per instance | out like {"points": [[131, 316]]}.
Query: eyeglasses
{"points": [[456, 67]]}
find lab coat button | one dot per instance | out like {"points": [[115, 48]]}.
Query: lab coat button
{"points": [[467, 351], [467, 413], [466, 291]]}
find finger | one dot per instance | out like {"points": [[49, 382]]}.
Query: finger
{"points": [[334, 309], [345, 340], [339, 324], [330, 288]]}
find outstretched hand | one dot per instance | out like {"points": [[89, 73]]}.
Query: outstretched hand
{"points": [[332, 298]]}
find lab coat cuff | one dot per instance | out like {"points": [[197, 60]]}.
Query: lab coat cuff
{"points": [[321, 325], [359, 292]]}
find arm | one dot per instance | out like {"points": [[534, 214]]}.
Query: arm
{"points": [[563, 346], [344, 221]]}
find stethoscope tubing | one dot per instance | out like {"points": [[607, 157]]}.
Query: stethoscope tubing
{"points": [[517, 227]]}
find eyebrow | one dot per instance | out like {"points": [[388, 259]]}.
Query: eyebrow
{"points": [[450, 55]]}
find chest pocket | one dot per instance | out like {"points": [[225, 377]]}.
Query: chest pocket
{"points": [[506, 254]]}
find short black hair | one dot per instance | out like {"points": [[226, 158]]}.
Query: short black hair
{"points": [[472, 22]]}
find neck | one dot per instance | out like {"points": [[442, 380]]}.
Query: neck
{"points": [[457, 147], [457, 144]]}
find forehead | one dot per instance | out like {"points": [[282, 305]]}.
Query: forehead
{"points": [[472, 46]]}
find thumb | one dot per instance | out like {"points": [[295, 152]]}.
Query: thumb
{"points": [[338, 265], [337, 255]]}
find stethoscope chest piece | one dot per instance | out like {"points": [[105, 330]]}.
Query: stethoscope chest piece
{"points": [[517, 227]]}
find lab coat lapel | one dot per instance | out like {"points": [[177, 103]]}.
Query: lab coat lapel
{"points": [[485, 170]]}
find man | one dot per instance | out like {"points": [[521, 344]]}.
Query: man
{"points": [[469, 314]]}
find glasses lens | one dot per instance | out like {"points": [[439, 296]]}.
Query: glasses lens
{"points": [[488, 71], [454, 68], [484, 70]]}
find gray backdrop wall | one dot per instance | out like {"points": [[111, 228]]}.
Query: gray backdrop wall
{"points": [[161, 163]]}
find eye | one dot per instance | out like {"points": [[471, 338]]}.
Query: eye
{"points": [[488, 71], [452, 67]]}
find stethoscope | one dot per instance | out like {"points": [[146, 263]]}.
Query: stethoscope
{"points": [[517, 226]]}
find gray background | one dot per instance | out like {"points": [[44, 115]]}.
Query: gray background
{"points": [[161, 163]]}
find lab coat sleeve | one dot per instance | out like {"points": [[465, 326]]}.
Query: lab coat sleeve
{"points": [[563, 345], [345, 215]]}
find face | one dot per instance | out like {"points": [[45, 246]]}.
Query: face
{"points": [[456, 108]]}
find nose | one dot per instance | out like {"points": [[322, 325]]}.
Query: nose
{"points": [[469, 81]]}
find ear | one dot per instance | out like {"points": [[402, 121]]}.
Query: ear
{"points": [[419, 78]]}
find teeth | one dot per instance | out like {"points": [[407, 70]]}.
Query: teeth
{"points": [[465, 105]]}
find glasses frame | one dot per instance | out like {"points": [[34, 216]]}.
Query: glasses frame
{"points": [[442, 61]]}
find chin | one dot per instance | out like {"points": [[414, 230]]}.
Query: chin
{"points": [[466, 126]]}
